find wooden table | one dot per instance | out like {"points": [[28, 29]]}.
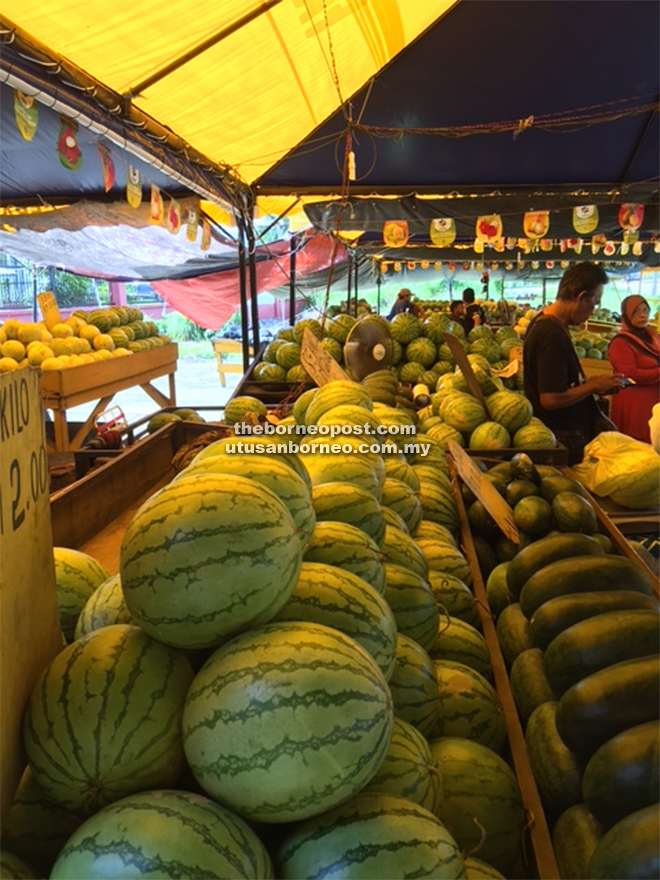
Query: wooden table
{"points": [[63, 389]]}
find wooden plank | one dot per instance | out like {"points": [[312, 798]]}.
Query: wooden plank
{"points": [[30, 633], [541, 843], [319, 364], [465, 366]]}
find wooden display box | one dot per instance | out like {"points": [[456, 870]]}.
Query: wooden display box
{"points": [[558, 457]]}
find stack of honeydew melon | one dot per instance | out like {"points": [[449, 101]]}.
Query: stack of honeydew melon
{"points": [[579, 628], [83, 338], [274, 653]]}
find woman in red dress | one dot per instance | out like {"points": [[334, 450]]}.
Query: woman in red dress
{"points": [[635, 353]]}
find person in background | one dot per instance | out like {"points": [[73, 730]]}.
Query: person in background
{"points": [[404, 303], [474, 314], [635, 353], [554, 382], [457, 311]]}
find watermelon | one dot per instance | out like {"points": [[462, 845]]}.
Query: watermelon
{"points": [[510, 409], [435, 453], [490, 435], [421, 350], [443, 433], [557, 771], [163, 834], [345, 502], [405, 327], [349, 415], [339, 327], [77, 575], [454, 597], [513, 632], [461, 643], [296, 373], [630, 849], [333, 597], [319, 714], [12, 866], [432, 531], [402, 499], [270, 351], [343, 468], [307, 323], [438, 505], [464, 415], [414, 685], [469, 706], [334, 394], [482, 806], [237, 409], [413, 603], [375, 459], [408, 770], [497, 591], [475, 869], [35, 828], [288, 355], [393, 519], [446, 558], [400, 549], [372, 835], [574, 838], [432, 474], [105, 607], [275, 475], [251, 447], [301, 403], [533, 436], [268, 373], [103, 720], [203, 560], [529, 683], [345, 546]]}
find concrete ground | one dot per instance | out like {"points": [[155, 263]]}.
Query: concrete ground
{"points": [[197, 385]]}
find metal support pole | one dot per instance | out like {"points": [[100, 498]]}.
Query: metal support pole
{"points": [[243, 301], [356, 282], [349, 283], [378, 283], [252, 273], [34, 295], [543, 294], [292, 280]]}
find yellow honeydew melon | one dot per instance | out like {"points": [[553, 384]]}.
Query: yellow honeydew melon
{"points": [[12, 348], [62, 330], [29, 333], [7, 364]]}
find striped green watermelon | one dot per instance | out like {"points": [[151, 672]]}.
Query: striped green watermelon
{"points": [[270, 351], [469, 706], [482, 805], [429, 422], [103, 719], [408, 770], [445, 557], [405, 327], [268, 373], [237, 408], [203, 560], [307, 323], [345, 502], [432, 531], [411, 599], [513, 632], [350, 415], [462, 643], [557, 771], [421, 350], [443, 433], [475, 869], [464, 415], [321, 446], [35, 827], [297, 373], [629, 850], [487, 383], [319, 715], [344, 468], [339, 327], [432, 474], [490, 435], [529, 684], [288, 355], [574, 838], [393, 519], [371, 835], [334, 597], [435, 453], [275, 475], [434, 326], [411, 372], [497, 591], [14, 868], [164, 834], [77, 575], [450, 397], [534, 436], [414, 685], [399, 496], [105, 607], [334, 394], [438, 505], [251, 443], [400, 549], [300, 405], [454, 597], [510, 409], [345, 546]]}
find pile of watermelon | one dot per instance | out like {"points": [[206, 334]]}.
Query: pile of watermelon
{"points": [[579, 628], [285, 678]]}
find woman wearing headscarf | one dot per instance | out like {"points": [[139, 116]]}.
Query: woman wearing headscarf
{"points": [[635, 353]]}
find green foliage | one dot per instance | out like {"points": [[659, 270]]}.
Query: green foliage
{"points": [[180, 329], [72, 290]]}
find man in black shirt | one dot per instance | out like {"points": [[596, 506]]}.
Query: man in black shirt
{"points": [[474, 314], [554, 382]]}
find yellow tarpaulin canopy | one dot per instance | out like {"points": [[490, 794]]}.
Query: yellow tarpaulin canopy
{"points": [[243, 82]]}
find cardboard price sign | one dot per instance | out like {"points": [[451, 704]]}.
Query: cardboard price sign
{"points": [[49, 308], [466, 367], [319, 364], [491, 499]]}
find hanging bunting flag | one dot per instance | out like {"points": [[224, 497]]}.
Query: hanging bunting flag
{"points": [[156, 207], [451, 267], [610, 248], [549, 264], [384, 267], [396, 266], [623, 250], [564, 264], [631, 216], [108, 168], [546, 244], [395, 233], [411, 265], [478, 246], [585, 219], [494, 266], [630, 236], [192, 222], [488, 228], [466, 267], [535, 264], [205, 242], [656, 247], [68, 150], [133, 187], [577, 245], [479, 267], [597, 242], [424, 264], [437, 265], [511, 244], [26, 113], [173, 217], [637, 249], [536, 224], [508, 266], [442, 231], [499, 245]]}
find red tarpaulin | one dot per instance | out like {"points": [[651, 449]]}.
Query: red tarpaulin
{"points": [[210, 300]]}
